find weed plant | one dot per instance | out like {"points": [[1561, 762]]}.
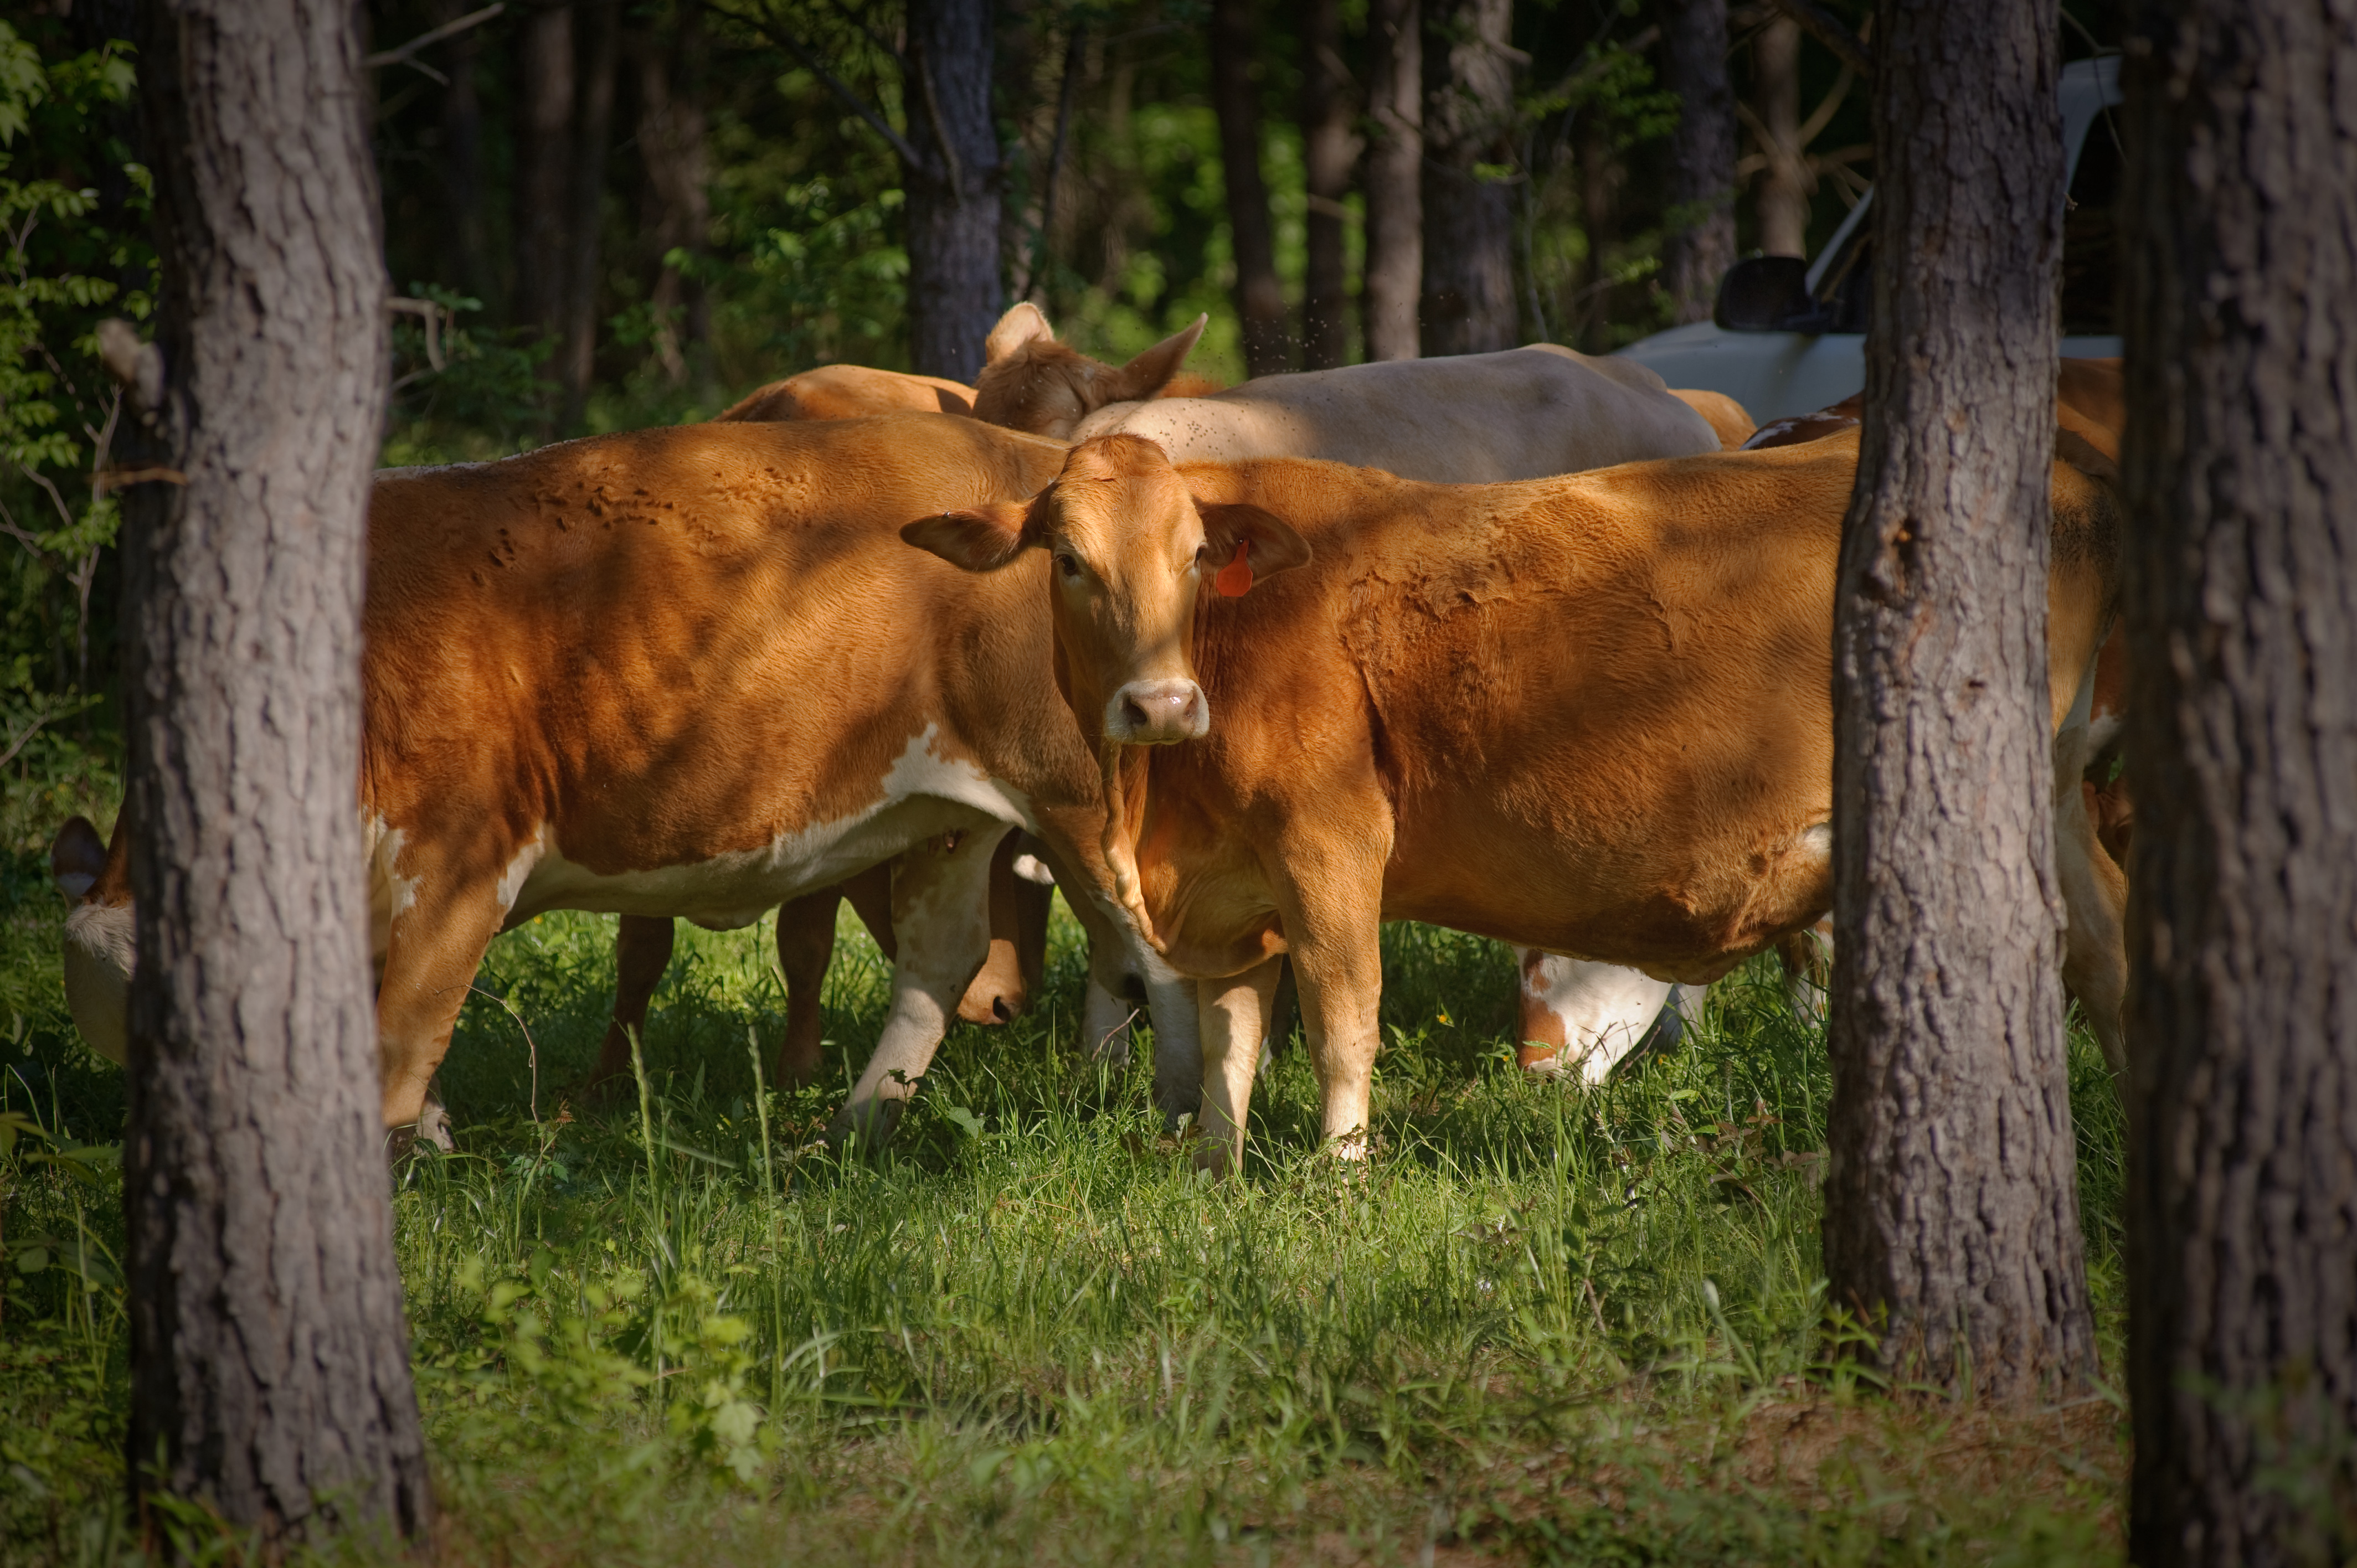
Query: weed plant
{"points": [[1545, 1323]]}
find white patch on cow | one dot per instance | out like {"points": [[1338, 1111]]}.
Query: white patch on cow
{"points": [[1604, 1011], [511, 880], [101, 951], [1031, 868], [921, 796]]}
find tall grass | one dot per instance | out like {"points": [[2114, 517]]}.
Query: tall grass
{"points": [[1545, 1321]]}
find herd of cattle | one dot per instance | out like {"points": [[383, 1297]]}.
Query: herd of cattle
{"points": [[1526, 644]]}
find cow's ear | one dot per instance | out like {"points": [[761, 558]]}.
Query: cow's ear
{"points": [[981, 539], [1268, 545], [77, 858], [1146, 375], [1021, 325]]}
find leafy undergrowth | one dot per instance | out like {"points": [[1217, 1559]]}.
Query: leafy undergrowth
{"points": [[1545, 1323]]}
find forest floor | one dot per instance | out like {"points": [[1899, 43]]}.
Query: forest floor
{"points": [[1546, 1322]]}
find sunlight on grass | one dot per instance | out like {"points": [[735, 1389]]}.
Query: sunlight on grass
{"points": [[1545, 1323]]}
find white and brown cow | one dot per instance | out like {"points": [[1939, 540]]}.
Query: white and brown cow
{"points": [[693, 672], [1589, 714]]}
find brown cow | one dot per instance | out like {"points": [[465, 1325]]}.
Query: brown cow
{"points": [[1589, 714], [693, 672], [849, 391]]}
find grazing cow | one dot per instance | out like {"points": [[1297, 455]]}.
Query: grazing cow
{"points": [[1589, 714], [693, 672], [849, 391]]}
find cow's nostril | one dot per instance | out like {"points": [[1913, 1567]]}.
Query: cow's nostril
{"points": [[1135, 712], [1000, 1010]]}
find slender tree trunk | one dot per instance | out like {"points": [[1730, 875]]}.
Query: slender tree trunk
{"points": [[1699, 244], [269, 1362], [955, 291], [2241, 219], [1235, 98], [1952, 1213], [598, 31], [1776, 99], [462, 155], [1600, 176], [1392, 178], [1329, 149], [1467, 303], [672, 148], [543, 149]]}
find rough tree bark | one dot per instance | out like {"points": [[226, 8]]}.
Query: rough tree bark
{"points": [[955, 291], [268, 1356], [673, 149], [1235, 99], [1329, 149], [1391, 178], [2241, 216], [1776, 100], [543, 149], [1700, 243], [597, 29], [1951, 1215], [1467, 303]]}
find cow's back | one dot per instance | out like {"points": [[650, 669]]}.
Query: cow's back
{"points": [[1471, 419], [639, 639]]}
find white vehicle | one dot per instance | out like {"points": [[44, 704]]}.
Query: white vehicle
{"points": [[1788, 337]]}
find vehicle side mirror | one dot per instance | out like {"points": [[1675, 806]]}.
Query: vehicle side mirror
{"points": [[1769, 294]]}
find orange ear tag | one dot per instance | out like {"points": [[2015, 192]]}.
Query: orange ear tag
{"points": [[1234, 580]]}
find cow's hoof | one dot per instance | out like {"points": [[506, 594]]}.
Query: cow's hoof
{"points": [[864, 1129]]}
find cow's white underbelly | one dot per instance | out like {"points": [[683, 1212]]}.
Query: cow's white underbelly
{"points": [[922, 796]]}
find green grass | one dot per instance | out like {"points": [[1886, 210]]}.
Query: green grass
{"points": [[1545, 1323]]}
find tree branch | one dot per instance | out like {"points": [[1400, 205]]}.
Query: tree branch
{"points": [[426, 40], [1831, 31], [836, 84]]}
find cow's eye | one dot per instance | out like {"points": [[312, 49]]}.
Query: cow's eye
{"points": [[1068, 563]]}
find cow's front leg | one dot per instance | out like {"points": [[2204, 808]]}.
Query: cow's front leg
{"points": [[940, 924], [1235, 1017], [1331, 898], [432, 951]]}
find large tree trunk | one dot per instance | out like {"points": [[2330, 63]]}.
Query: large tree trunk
{"points": [[2241, 216], [1392, 178], [269, 1363], [1235, 98], [1329, 149], [1952, 1212], [1466, 301], [544, 150], [954, 289], [598, 28], [672, 146], [1699, 244], [1776, 100]]}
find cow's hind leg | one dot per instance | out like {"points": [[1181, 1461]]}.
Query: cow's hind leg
{"points": [[941, 918], [805, 948], [1235, 1019], [643, 945]]}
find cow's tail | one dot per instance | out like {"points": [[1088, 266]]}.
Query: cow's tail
{"points": [[1119, 841]]}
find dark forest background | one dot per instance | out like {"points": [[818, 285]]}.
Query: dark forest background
{"points": [[608, 213]]}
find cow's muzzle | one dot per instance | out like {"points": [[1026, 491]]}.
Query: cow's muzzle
{"points": [[1157, 712]]}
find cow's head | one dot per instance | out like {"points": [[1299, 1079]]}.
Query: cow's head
{"points": [[1133, 555], [1033, 383], [100, 948]]}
